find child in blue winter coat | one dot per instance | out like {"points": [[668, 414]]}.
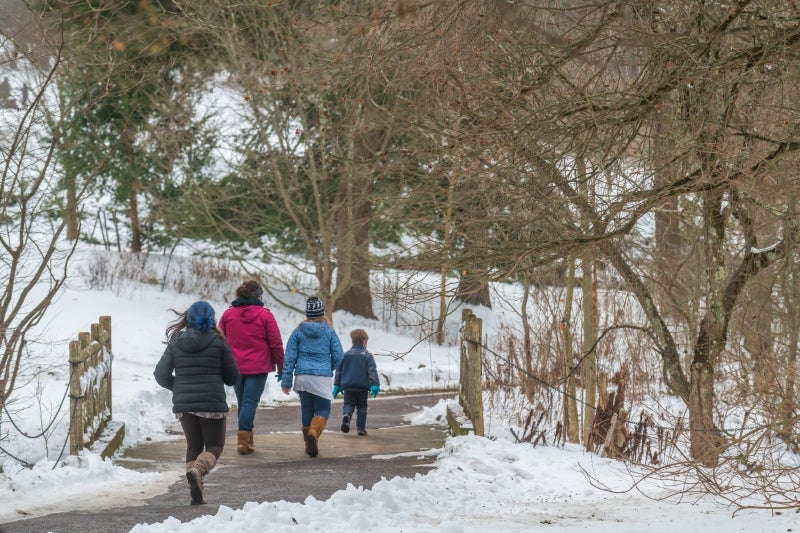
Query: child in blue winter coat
{"points": [[357, 377], [312, 353]]}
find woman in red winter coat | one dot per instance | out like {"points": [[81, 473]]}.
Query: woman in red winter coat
{"points": [[254, 337]]}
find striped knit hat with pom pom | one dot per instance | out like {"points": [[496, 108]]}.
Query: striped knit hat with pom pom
{"points": [[314, 308]]}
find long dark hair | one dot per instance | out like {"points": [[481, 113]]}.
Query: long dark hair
{"points": [[180, 324]]}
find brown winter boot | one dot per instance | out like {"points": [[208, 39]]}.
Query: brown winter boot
{"points": [[202, 466], [245, 442], [305, 438], [189, 465], [314, 432]]}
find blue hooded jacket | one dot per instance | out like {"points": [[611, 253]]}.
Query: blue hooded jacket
{"points": [[313, 348]]}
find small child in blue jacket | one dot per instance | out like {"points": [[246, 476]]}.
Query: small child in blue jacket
{"points": [[357, 377]]}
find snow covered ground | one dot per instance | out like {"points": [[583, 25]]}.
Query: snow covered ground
{"points": [[480, 484]]}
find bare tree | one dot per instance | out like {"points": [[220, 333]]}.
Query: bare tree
{"points": [[33, 252], [533, 88]]}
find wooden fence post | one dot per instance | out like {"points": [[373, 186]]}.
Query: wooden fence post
{"points": [[103, 337], [470, 395], [75, 394]]}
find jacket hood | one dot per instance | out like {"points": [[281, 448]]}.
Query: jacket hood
{"points": [[194, 340], [248, 312], [314, 330]]}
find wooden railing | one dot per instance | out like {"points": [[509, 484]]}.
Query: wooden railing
{"points": [[91, 424]]}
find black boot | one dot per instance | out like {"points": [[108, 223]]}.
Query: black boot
{"points": [[345, 424]]}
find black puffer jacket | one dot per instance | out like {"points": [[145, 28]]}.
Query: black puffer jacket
{"points": [[196, 366]]}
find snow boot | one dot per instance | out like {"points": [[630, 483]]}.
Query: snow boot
{"points": [[202, 466], [345, 424], [305, 439], [314, 432], [245, 442], [189, 465]]}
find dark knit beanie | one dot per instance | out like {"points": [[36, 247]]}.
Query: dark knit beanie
{"points": [[201, 316], [314, 308], [249, 289]]}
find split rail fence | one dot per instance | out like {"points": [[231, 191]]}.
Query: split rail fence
{"points": [[91, 423]]}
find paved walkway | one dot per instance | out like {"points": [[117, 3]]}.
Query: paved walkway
{"points": [[278, 470]]}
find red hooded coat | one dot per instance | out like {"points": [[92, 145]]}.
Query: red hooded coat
{"points": [[254, 338]]}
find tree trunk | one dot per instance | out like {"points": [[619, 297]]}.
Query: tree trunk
{"points": [[526, 381], [448, 226], [71, 210], [758, 337], [133, 214], [667, 231], [571, 426], [354, 208], [589, 308], [705, 442], [473, 287], [353, 259], [705, 446], [788, 408], [589, 363]]}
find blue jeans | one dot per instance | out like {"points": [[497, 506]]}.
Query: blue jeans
{"points": [[312, 405], [248, 393], [356, 399]]}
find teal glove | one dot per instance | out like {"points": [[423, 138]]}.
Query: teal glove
{"points": [[374, 390], [336, 391], [278, 376]]}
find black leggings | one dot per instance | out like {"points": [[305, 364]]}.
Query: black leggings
{"points": [[202, 434]]}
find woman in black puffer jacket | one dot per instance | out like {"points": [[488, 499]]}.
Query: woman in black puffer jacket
{"points": [[196, 366]]}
